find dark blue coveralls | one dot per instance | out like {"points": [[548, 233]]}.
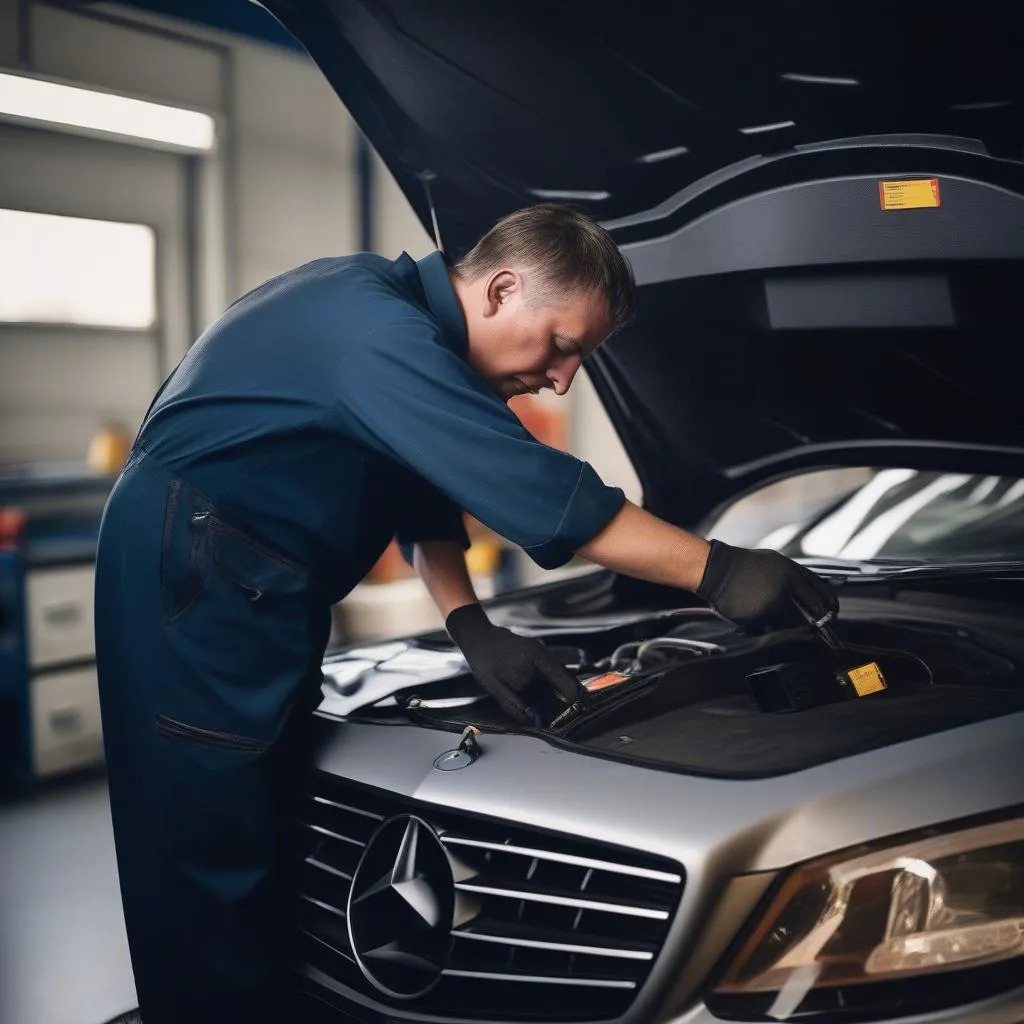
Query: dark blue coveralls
{"points": [[326, 412]]}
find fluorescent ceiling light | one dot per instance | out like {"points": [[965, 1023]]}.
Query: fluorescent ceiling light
{"points": [[662, 154], [793, 76], [760, 129], [555, 193], [982, 105], [36, 99]]}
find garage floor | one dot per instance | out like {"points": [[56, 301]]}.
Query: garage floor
{"points": [[63, 952]]}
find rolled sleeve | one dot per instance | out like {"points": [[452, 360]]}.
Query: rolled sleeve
{"points": [[591, 507], [405, 394]]}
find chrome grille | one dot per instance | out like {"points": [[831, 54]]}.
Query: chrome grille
{"points": [[547, 927]]}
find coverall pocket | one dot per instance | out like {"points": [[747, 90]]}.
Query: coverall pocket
{"points": [[257, 568], [240, 642], [204, 546], [212, 738]]}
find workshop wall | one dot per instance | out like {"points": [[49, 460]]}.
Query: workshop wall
{"points": [[8, 33], [294, 155], [279, 191], [121, 57], [288, 146]]}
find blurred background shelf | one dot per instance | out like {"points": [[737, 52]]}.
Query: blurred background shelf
{"points": [[49, 703]]}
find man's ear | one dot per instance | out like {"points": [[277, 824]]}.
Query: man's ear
{"points": [[501, 286]]}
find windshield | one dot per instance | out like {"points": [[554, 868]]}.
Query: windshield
{"points": [[909, 514]]}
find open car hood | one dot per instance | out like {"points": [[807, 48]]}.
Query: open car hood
{"points": [[797, 310]]}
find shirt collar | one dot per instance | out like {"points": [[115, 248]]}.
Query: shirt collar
{"points": [[442, 300]]}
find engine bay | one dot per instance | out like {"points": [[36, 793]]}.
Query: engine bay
{"points": [[683, 690]]}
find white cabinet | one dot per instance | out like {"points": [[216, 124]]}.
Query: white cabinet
{"points": [[60, 615], [63, 700], [65, 715]]}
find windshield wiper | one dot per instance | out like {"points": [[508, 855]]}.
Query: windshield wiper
{"points": [[910, 568], [867, 567]]}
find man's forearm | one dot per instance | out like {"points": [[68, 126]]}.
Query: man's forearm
{"points": [[639, 544], [442, 567], [634, 542]]}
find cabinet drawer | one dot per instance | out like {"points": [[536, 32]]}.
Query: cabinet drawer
{"points": [[60, 615], [66, 729]]}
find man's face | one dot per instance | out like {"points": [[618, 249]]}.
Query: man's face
{"points": [[520, 347]]}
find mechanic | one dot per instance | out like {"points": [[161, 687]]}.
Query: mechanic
{"points": [[332, 408]]}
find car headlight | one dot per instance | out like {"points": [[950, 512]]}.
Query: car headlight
{"points": [[935, 922]]}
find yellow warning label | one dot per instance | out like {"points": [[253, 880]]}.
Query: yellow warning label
{"points": [[909, 194], [867, 679]]}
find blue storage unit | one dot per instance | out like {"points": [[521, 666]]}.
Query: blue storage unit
{"points": [[49, 708]]}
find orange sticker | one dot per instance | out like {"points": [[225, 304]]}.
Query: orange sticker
{"points": [[909, 194], [602, 682]]}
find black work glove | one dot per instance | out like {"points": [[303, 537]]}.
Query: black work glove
{"points": [[526, 679], [760, 589]]}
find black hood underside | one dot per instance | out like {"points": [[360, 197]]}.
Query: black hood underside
{"points": [[618, 105], [788, 318]]}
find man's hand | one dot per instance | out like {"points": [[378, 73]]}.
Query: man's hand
{"points": [[524, 678], [756, 589], [760, 589], [518, 672]]}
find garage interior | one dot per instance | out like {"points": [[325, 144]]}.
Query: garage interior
{"points": [[115, 252]]}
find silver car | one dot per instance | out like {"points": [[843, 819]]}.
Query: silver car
{"points": [[825, 214]]}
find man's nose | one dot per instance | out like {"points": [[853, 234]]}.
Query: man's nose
{"points": [[562, 373]]}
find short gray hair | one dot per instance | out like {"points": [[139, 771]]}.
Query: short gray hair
{"points": [[568, 251]]}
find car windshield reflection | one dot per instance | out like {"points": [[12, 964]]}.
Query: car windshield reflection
{"points": [[915, 515]]}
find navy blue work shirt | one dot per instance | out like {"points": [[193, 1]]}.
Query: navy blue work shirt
{"points": [[332, 408]]}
